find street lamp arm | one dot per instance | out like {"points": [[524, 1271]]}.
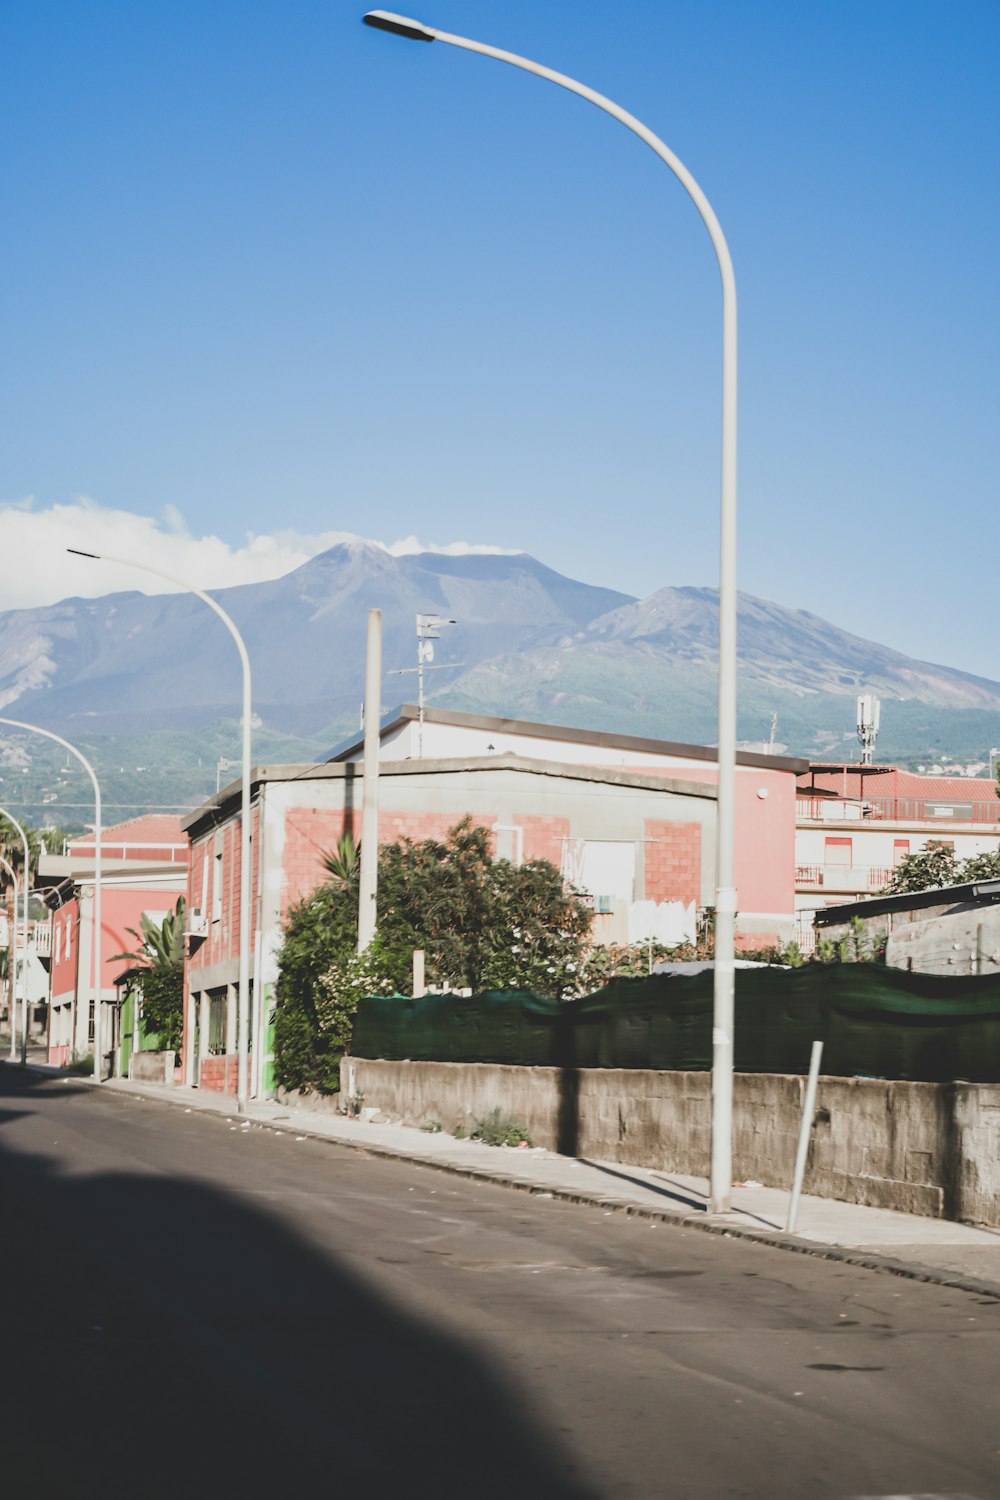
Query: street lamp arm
{"points": [[181, 583], [97, 929], [725, 897], [243, 979]]}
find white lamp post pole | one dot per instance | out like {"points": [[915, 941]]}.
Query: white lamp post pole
{"points": [[725, 898], [24, 937], [96, 929], [243, 985], [12, 964]]}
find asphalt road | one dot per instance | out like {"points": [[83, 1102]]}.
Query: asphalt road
{"points": [[194, 1307]]}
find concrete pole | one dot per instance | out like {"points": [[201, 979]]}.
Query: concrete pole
{"points": [[96, 909], [368, 891], [25, 884]]}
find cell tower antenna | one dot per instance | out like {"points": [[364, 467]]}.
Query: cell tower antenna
{"points": [[868, 720]]}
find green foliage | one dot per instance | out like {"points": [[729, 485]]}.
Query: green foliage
{"points": [[344, 862], [80, 1067], [319, 932], [483, 924], [160, 955], [498, 1129], [936, 865]]}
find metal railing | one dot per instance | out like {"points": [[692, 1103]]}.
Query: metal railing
{"points": [[896, 810], [844, 877]]}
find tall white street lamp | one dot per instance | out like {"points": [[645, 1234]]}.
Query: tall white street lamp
{"points": [[24, 937], [12, 963], [95, 925], [243, 985], [725, 898]]}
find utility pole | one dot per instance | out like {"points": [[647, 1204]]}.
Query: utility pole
{"points": [[368, 890]]}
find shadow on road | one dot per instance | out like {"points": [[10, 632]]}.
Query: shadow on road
{"points": [[166, 1338]]}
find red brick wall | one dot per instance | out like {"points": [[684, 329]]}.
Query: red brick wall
{"points": [[544, 837], [312, 832], [673, 861], [218, 1074]]}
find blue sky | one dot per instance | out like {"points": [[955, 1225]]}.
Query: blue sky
{"points": [[268, 273]]}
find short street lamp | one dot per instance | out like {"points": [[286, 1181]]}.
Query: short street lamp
{"points": [[95, 924], [243, 980], [725, 900], [12, 965], [24, 937]]}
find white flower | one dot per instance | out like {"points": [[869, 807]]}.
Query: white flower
{"points": [[515, 949]]}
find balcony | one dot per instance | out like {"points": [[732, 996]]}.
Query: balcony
{"points": [[849, 879], [897, 810]]}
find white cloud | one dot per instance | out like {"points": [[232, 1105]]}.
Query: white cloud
{"points": [[39, 570]]}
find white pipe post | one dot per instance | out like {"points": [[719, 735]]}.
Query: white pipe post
{"points": [[720, 1197], [12, 965], [368, 887], [96, 914], [805, 1131], [243, 981], [25, 883]]}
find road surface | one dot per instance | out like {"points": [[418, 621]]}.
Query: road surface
{"points": [[195, 1307]]}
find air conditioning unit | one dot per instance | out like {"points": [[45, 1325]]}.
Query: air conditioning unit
{"points": [[197, 923]]}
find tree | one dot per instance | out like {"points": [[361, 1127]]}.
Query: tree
{"points": [[160, 955], [936, 865], [482, 923]]}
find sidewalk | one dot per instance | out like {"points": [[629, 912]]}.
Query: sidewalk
{"points": [[936, 1250]]}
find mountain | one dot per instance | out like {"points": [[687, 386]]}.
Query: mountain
{"points": [[151, 686], [130, 663], [654, 660]]}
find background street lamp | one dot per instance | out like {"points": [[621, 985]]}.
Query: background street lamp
{"points": [[12, 967], [725, 898], [95, 936], [242, 998], [24, 937]]}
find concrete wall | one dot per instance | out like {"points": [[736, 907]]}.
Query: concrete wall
{"points": [[152, 1067], [920, 1148]]}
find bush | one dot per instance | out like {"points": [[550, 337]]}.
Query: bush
{"points": [[498, 1129]]}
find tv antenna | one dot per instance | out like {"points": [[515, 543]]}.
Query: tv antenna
{"points": [[427, 633], [868, 717]]}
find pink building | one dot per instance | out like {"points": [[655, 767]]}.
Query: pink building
{"points": [[144, 870], [855, 824], [630, 822]]}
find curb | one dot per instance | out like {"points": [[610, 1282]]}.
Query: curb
{"points": [[976, 1286]]}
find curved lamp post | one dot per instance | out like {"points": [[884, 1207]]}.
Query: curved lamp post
{"points": [[24, 937], [725, 899], [96, 917], [12, 966], [242, 1002]]}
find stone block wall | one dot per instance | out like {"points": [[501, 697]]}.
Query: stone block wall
{"points": [[922, 1148]]}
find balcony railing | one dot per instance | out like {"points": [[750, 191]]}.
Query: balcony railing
{"points": [[897, 810], [843, 877]]}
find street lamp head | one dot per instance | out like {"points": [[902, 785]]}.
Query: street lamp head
{"points": [[387, 20], [78, 552]]}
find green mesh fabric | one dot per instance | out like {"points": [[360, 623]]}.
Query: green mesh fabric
{"points": [[873, 1021]]}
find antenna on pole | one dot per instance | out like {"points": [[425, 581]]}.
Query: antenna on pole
{"points": [[427, 633], [868, 719]]}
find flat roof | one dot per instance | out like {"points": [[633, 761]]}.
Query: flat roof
{"points": [[409, 712], [226, 802]]}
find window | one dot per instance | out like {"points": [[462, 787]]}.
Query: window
{"points": [[839, 853], [217, 1024]]}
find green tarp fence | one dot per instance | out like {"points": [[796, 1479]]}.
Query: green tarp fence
{"points": [[873, 1021]]}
